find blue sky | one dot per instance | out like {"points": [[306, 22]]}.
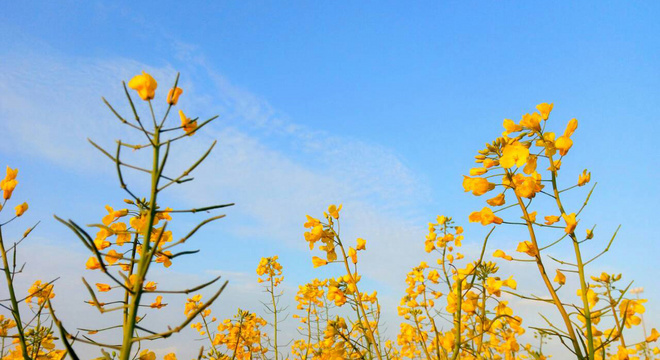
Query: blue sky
{"points": [[379, 106]]}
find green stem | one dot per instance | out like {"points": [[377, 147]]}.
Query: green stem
{"points": [[12, 295], [457, 318], [143, 264], [580, 264], [272, 297]]}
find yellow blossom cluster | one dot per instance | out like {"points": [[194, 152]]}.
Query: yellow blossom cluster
{"points": [[269, 270]]}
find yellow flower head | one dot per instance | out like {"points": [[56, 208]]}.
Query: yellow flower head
{"points": [[333, 210], [502, 254], [531, 122], [560, 278], [571, 223], [584, 178], [563, 144], [353, 255], [485, 216], [545, 110], [571, 127], [21, 209], [361, 244], [510, 127], [514, 154], [93, 263], [528, 248], [496, 201], [188, 126], [8, 184], [145, 85], [478, 186], [103, 287], [173, 95], [551, 219], [317, 261]]}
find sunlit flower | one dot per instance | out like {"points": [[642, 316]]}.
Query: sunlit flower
{"points": [[173, 95], [93, 263], [188, 126], [317, 261], [478, 186], [544, 109], [528, 248], [514, 154], [21, 209], [145, 85], [531, 122], [103, 287], [496, 201], [571, 223], [563, 144], [560, 278], [485, 216], [502, 254], [584, 178]]}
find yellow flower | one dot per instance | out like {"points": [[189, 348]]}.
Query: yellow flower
{"points": [[93, 263], [531, 218], [42, 292], [478, 186], [560, 278], [317, 261], [8, 184], [531, 122], [510, 283], [147, 355], [145, 85], [590, 234], [485, 216], [157, 304], [530, 167], [545, 110], [592, 297], [496, 201], [113, 215], [527, 186], [514, 154], [654, 335], [171, 356], [188, 126], [103, 287], [563, 144], [502, 254], [164, 258], [173, 95], [571, 223], [528, 248], [361, 244], [21, 209], [112, 257], [571, 127], [150, 286], [119, 229], [353, 254], [333, 210], [510, 126], [584, 178], [489, 163], [551, 219], [477, 171]]}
